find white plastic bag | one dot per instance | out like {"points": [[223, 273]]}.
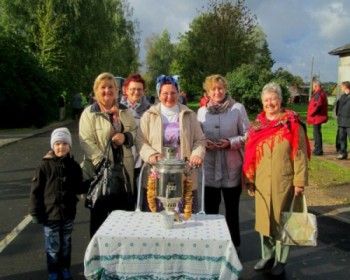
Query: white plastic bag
{"points": [[298, 228]]}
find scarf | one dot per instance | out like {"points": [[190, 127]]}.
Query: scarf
{"points": [[263, 131], [217, 108], [127, 103]]}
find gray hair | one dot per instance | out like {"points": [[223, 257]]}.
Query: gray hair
{"points": [[316, 82], [272, 87]]}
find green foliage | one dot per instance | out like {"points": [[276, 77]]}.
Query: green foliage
{"points": [[75, 38], [73, 41], [219, 40], [245, 85], [28, 94], [160, 54]]}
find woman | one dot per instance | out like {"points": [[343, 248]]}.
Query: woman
{"points": [[100, 122], [204, 100], [134, 98], [170, 123], [275, 169], [224, 123]]}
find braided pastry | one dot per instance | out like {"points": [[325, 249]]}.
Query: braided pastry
{"points": [[188, 198], [151, 193]]}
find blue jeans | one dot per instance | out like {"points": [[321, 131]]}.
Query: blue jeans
{"points": [[58, 244]]}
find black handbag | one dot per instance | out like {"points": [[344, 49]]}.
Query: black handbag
{"points": [[111, 182]]}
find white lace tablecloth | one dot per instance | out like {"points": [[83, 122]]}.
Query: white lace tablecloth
{"points": [[132, 245]]}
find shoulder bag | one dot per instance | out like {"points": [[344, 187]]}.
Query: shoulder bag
{"points": [[110, 183], [298, 228]]}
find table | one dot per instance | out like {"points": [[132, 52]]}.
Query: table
{"points": [[133, 245]]}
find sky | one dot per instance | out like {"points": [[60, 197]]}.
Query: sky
{"points": [[300, 33]]}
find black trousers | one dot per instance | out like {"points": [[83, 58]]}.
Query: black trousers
{"points": [[344, 134], [212, 200], [318, 139], [100, 212]]}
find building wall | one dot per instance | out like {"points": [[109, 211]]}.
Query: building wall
{"points": [[343, 71]]}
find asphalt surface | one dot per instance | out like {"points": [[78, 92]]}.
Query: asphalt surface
{"points": [[21, 242]]}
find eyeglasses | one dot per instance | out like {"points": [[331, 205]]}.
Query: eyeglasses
{"points": [[135, 89], [170, 94]]}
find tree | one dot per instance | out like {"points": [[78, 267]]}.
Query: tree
{"points": [[246, 83], [219, 41], [74, 40], [48, 39], [34, 100], [264, 59], [160, 55]]}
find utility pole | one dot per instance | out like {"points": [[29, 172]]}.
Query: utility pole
{"points": [[311, 78]]}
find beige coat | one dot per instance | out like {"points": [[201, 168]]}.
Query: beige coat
{"points": [[275, 177], [94, 133], [149, 139]]}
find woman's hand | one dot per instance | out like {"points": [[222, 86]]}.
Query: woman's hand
{"points": [[298, 191], [223, 144], [210, 145], [118, 139], [219, 145], [154, 158], [251, 189], [196, 161]]}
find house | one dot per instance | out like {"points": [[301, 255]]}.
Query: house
{"points": [[344, 64], [298, 95]]}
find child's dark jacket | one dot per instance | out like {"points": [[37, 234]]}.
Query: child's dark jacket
{"points": [[54, 190]]}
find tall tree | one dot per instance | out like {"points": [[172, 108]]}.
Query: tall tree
{"points": [[218, 41], [160, 55], [48, 40], [75, 38], [69, 43]]}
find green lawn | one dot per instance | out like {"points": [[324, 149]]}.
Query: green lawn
{"points": [[329, 129], [322, 173]]}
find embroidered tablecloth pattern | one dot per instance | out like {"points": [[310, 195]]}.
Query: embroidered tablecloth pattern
{"points": [[132, 245]]}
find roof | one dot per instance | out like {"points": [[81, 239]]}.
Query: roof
{"points": [[345, 49]]}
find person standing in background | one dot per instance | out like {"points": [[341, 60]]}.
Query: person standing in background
{"points": [[317, 114], [224, 123], [134, 98], [204, 100], [183, 98], [62, 107], [77, 106], [343, 119]]}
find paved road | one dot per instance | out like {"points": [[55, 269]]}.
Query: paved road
{"points": [[24, 257]]}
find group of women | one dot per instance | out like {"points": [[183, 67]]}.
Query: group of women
{"points": [[268, 156]]}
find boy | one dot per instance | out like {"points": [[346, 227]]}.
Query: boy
{"points": [[57, 181]]}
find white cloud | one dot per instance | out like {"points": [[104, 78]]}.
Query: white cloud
{"points": [[296, 30], [333, 20]]}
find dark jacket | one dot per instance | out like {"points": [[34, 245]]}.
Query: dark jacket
{"points": [[54, 189], [317, 112], [343, 110]]}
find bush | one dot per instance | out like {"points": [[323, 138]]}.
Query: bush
{"points": [[28, 94]]}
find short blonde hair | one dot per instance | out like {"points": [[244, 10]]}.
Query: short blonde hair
{"points": [[103, 77], [214, 79]]}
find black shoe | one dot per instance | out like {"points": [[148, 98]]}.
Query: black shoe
{"points": [[317, 153], [341, 157], [264, 264], [278, 269]]}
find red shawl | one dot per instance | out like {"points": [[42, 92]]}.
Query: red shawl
{"points": [[263, 131]]}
